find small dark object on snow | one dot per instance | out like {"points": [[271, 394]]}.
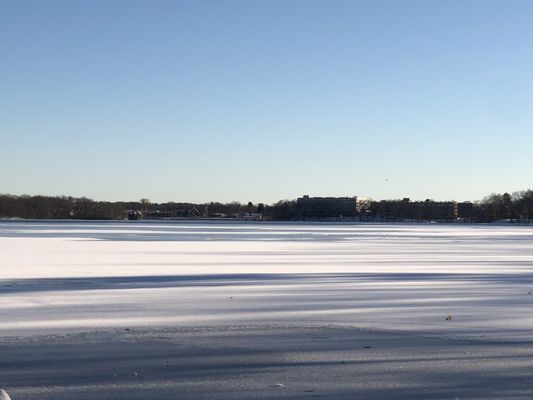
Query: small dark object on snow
{"points": [[528, 292], [448, 317], [367, 347]]}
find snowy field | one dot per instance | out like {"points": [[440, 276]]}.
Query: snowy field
{"points": [[245, 310]]}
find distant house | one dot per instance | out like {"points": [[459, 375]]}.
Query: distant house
{"points": [[248, 216], [325, 207], [134, 215]]}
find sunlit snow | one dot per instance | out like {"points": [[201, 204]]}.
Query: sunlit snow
{"points": [[58, 277]]}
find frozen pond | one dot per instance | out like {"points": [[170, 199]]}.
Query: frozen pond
{"points": [[60, 277], [204, 310]]}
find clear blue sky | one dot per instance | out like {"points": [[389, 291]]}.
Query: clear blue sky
{"points": [[266, 100]]}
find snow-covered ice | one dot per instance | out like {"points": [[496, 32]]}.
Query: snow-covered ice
{"points": [[73, 276], [66, 279]]}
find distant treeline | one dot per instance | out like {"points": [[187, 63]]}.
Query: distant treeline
{"points": [[66, 207], [517, 207]]}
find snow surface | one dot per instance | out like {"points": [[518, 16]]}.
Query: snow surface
{"points": [[264, 310], [77, 276]]}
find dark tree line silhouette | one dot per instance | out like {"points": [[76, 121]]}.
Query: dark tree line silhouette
{"points": [[66, 207], [515, 207]]}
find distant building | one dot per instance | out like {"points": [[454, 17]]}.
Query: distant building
{"points": [[439, 210], [466, 211], [325, 207], [134, 215], [407, 210], [248, 216]]}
